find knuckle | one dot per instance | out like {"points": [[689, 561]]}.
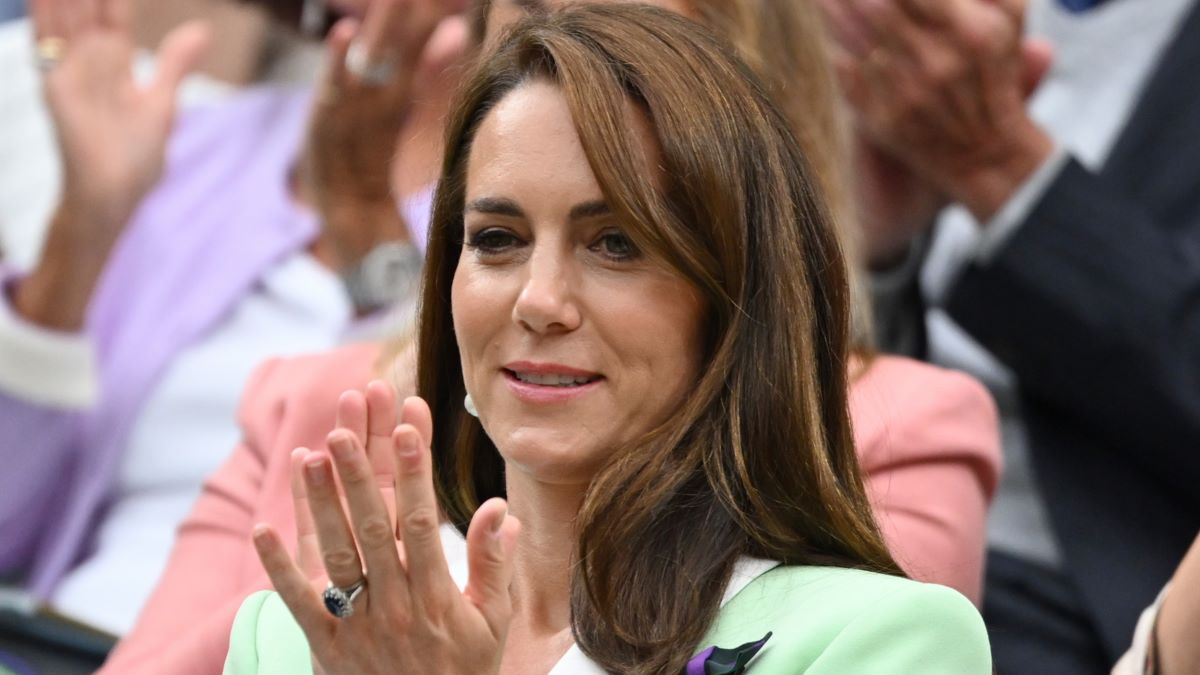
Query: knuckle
{"points": [[421, 522], [376, 531], [340, 559]]}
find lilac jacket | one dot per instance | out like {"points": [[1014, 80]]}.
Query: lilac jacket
{"points": [[218, 220]]}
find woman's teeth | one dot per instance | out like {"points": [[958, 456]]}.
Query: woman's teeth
{"points": [[552, 380]]}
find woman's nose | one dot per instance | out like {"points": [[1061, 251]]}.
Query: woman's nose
{"points": [[546, 303]]}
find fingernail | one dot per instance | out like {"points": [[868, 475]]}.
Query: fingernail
{"points": [[259, 534], [314, 470]]}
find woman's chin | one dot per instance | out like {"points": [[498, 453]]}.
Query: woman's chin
{"points": [[552, 457]]}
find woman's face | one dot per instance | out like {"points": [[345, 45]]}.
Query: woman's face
{"points": [[572, 341]]}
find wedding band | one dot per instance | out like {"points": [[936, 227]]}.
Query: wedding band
{"points": [[375, 74], [49, 52], [339, 600]]}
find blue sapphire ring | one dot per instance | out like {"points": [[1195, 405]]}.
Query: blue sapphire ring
{"points": [[340, 600]]}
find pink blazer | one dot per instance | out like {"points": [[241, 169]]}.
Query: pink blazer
{"points": [[927, 439]]}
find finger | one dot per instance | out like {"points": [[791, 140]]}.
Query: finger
{"points": [[892, 29], [338, 552], [417, 510], [1037, 57], [369, 517], [936, 13], [415, 411], [336, 45], [87, 14], [491, 544], [71, 17], [178, 55], [308, 549], [116, 14], [381, 421], [352, 414], [295, 590], [48, 20], [382, 33]]}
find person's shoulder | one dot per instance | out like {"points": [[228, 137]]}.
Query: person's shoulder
{"points": [[899, 403], [266, 640], [309, 376], [914, 385], [835, 620], [295, 397]]}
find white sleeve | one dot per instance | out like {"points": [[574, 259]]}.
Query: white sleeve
{"points": [[1133, 662], [44, 366]]}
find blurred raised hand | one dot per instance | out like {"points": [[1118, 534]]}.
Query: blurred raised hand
{"points": [[376, 67], [938, 91], [112, 135]]}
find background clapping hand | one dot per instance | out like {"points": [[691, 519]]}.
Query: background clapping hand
{"points": [[112, 136], [938, 91], [372, 508], [374, 72]]}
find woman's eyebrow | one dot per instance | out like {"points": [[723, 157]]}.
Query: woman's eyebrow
{"points": [[592, 209], [496, 206]]}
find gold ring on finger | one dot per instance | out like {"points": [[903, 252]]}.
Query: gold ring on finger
{"points": [[49, 52]]}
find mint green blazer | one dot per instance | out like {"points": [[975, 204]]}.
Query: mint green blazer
{"points": [[823, 620]]}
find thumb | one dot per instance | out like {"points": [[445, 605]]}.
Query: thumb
{"points": [[178, 55], [1037, 55], [491, 544]]}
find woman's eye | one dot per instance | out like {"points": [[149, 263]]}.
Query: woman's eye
{"points": [[616, 246], [491, 240]]}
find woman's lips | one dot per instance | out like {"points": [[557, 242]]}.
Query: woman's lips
{"points": [[536, 383]]}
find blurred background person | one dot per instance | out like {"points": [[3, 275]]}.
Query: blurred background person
{"points": [[1064, 274], [181, 253], [926, 437]]}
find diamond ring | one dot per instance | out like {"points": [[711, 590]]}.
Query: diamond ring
{"points": [[339, 600]]}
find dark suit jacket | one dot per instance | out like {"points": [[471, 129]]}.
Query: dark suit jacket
{"points": [[1095, 304]]}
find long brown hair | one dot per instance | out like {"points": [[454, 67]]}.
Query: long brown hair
{"points": [[759, 459]]}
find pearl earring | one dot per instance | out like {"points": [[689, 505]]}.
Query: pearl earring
{"points": [[470, 406]]}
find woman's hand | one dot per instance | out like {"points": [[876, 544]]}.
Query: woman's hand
{"points": [[112, 136], [410, 617], [367, 93]]}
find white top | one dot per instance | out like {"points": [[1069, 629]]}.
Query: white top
{"points": [[186, 429], [1103, 58]]}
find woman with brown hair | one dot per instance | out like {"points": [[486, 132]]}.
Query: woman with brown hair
{"points": [[635, 329], [926, 437]]}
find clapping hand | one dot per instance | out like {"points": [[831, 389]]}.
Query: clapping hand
{"points": [[373, 73], [938, 90], [111, 131], [367, 514], [112, 135]]}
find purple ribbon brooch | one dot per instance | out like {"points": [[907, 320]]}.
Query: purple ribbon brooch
{"points": [[720, 661]]}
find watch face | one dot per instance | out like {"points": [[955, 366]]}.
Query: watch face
{"points": [[390, 273]]}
